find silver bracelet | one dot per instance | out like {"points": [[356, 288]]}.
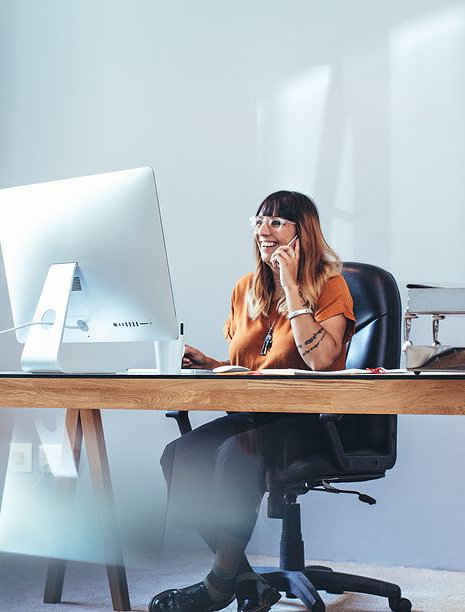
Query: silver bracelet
{"points": [[297, 313]]}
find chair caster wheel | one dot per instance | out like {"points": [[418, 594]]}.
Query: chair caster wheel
{"points": [[400, 604]]}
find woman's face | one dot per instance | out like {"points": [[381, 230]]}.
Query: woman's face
{"points": [[272, 232]]}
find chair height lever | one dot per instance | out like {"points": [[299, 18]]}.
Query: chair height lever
{"points": [[328, 488]]}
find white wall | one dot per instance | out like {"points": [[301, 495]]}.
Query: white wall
{"points": [[358, 104]]}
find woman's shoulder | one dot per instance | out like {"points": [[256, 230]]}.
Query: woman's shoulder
{"points": [[335, 290], [240, 292], [243, 284], [335, 298], [336, 283]]}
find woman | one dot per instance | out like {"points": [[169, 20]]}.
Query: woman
{"points": [[295, 311]]}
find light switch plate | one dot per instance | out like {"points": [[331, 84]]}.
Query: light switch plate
{"points": [[20, 459]]}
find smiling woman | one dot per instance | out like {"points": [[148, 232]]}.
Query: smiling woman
{"points": [[294, 311], [316, 260]]}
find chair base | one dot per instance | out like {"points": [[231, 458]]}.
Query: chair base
{"points": [[305, 585]]}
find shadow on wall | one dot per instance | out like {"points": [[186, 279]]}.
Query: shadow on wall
{"points": [[369, 124]]}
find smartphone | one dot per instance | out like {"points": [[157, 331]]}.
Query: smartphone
{"points": [[289, 244], [291, 241]]}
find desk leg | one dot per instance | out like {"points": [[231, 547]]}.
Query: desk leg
{"points": [[56, 567], [101, 481]]}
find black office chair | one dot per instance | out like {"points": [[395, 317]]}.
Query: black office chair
{"points": [[376, 342]]}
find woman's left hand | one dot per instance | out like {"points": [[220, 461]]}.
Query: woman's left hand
{"points": [[287, 260]]}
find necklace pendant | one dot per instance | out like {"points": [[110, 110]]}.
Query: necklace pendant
{"points": [[267, 344]]}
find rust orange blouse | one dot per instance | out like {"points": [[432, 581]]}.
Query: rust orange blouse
{"points": [[246, 336]]}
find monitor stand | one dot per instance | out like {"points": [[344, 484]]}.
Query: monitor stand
{"points": [[42, 348]]}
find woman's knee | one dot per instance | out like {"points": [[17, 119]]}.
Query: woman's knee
{"points": [[238, 458], [174, 451], [168, 455]]}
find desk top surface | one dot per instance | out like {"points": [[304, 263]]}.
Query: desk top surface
{"points": [[365, 394], [242, 375]]}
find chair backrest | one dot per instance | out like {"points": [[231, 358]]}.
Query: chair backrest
{"points": [[375, 343], [377, 309]]}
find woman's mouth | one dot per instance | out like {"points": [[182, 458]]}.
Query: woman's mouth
{"points": [[268, 244]]}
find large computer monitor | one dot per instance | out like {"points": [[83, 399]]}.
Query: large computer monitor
{"points": [[86, 258]]}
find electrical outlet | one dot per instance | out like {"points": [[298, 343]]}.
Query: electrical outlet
{"points": [[20, 459], [49, 457]]}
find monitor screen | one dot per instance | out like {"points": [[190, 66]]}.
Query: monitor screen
{"points": [[109, 226]]}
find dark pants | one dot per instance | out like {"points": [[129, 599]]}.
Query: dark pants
{"points": [[216, 473]]}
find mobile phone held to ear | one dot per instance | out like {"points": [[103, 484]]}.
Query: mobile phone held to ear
{"points": [[293, 240], [289, 244]]}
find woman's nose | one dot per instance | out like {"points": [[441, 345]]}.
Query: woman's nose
{"points": [[263, 230]]}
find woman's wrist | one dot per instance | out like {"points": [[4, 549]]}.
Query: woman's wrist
{"points": [[291, 290], [299, 312], [294, 298], [211, 363]]}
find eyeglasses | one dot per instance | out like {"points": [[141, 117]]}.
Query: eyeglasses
{"points": [[274, 223]]}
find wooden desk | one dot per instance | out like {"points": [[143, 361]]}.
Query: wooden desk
{"points": [[85, 396], [368, 394]]}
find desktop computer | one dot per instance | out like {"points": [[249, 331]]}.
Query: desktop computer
{"points": [[85, 262]]}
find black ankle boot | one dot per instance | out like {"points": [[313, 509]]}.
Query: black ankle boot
{"points": [[194, 598], [255, 595]]}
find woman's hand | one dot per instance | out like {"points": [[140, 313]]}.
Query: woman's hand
{"points": [[193, 358], [287, 260]]}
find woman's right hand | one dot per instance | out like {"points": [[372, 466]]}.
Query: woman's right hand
{"points": [[193, 358]]}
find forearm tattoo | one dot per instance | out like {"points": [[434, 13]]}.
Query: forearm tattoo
{"points": [[312, 339], [312, 348]]}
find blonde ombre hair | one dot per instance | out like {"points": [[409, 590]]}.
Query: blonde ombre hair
{"points": [[317, 262]]}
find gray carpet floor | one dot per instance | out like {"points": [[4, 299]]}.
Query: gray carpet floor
{"points": [[86, 590]]}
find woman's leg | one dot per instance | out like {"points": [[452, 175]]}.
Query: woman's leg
{"points": [[216, 474], [237, 489], [226, 460], [189, 465]]}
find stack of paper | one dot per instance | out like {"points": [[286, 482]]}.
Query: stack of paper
{"points": [[350, 371]]}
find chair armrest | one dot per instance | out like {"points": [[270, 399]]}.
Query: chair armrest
{"points": [[182, 419], [328, 422]]}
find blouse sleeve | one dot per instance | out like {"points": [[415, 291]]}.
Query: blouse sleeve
{"points": [[229, 327], [335, 299], [238, 303]]}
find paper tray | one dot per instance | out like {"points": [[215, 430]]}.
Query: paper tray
{"points": [[433, 358]]}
